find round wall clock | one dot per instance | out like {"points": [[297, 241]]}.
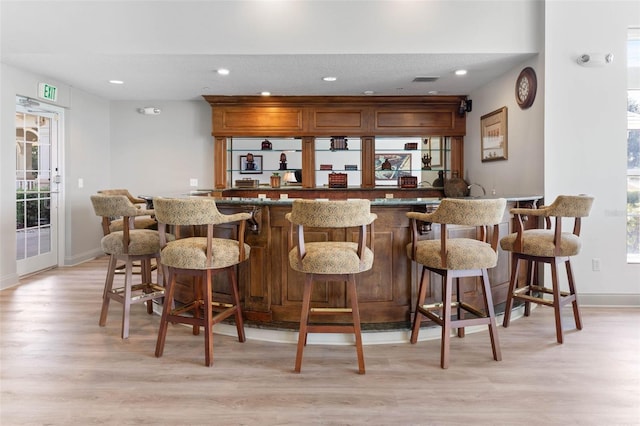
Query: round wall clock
{"points": [[526, 86]]}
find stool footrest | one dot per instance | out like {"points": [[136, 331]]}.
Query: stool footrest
{"points": [[565, 297], [331, 310], [151, 291]]}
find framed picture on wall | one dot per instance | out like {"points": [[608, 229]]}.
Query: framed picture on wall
{"points": [[391, 166], [493, 135], [251, 164]]}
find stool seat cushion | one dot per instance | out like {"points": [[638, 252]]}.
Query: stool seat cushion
{"points": [[539, 242], [462, 253], [331, 257], [141, 242], [191, 253]]}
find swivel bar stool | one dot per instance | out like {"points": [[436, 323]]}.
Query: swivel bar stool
{"points": [[128, 245], [329, 260], [552, 246], [457, 258], [201, 258]]}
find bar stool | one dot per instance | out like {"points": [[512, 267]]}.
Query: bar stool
{"points": [[330, 260], [201, 258], [128, 245], [551, 246], [115, 223], [456, 258]]}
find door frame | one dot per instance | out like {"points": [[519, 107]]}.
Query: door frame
{"points": [[57, 113]]}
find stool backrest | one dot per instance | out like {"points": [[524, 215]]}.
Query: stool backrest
{"points": [[331, 214], [192, 211], [113, 206], [570, 206], [134, 200], [468, 212]]}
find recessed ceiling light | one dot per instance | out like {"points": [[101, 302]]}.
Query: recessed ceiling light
{"points": [[432, 92], [116, 81], [265, 93], [461, 72], [368, 92], [329, 78], [222, 71]]}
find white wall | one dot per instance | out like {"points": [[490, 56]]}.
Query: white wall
{"points": [[585, 136], [523, 171], [159, 154]]}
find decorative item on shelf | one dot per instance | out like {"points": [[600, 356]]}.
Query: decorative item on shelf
{"points": [[351, 167], [337, 180], [298, 174], [339, 143], [289, 178], [408, 182], [426, 162], [275, 180], [439, 182], [266, 145], [410, 146], [326, 166], [247, 183], [456, 186], [283, 161], [386, 164], [251, 163]]}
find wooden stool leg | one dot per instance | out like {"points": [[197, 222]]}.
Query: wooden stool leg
{"points": [[108, 286], [304, 318], [197, 292], [556, 300], [126, 310], [208, 321], [146, 268], [488, 306], [572, 291], [446, 321], [236, 301], [422, 294], [515, 266], [351, 289], [460, 330], [166, 309], [531, 267]]}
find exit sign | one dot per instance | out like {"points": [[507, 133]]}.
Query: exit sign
{"points": [[47, 91]]}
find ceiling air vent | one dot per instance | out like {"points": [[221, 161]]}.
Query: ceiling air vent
{"points": [[425, 79]]}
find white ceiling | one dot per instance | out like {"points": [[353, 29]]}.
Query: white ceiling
{"points": [[166, 50]]}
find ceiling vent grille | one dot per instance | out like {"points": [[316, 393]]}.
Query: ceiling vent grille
{"points": [[425, 79]]}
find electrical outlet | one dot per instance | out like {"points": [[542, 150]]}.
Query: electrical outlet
{"points": [[595, 265], [193, 182]]}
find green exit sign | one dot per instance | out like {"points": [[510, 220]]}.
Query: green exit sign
{"points": [[47, 91]]}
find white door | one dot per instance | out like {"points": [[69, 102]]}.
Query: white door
{"points": [[38, 133]]}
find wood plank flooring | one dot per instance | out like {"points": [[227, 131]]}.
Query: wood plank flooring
{"points": [[59, 368]]}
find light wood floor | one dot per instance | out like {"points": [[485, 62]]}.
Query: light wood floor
{"points": [[60, 368]]}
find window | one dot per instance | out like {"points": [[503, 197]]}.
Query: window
{"points": [[633, 147]]}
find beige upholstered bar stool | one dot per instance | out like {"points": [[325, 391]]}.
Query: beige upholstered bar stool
{"points": [[128, 245], [552, 246], [201, 258], [455, 258], [115, 223], [328, 260]]}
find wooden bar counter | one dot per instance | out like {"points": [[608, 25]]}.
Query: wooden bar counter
{"points": [[272, 292]]}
